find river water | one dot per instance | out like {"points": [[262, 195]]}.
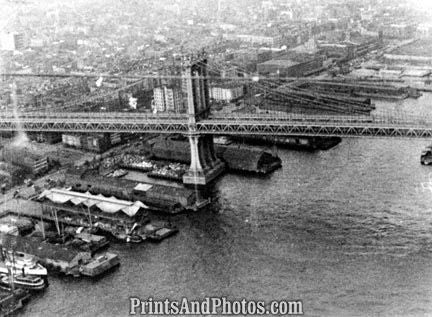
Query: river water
{"points": [[348, 231]]}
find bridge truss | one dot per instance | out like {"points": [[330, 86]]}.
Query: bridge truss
{"points": [[343, 126]]}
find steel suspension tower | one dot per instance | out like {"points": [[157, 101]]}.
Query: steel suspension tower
{"points": [[205, 166]]}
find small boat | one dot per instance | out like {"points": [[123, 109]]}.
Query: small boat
{"points": [[134, 238], [128, 235], [100, 264], [157, 231], [25, 281], [124, 237], [162, 233]]}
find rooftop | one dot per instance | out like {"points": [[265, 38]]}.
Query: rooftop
{"points": [[280, 62], [421, 47]]}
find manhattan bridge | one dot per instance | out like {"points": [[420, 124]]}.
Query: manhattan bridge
{"points": [[199, 124]]}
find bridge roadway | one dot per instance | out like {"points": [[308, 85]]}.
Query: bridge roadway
{"points": [[225, 124]]}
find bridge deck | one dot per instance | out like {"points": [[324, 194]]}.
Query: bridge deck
{"points": [[229, 124]]}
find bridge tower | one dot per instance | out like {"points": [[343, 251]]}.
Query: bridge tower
{"points": [[205, 166]]}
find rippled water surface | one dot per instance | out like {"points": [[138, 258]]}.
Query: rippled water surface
{"points": [[348, 231]]}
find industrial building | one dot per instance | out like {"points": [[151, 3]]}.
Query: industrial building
{"points": [[399, 31], [33, 163], [98, 142], [273, 41], [291, 67], [413, 52], [170, 199]]}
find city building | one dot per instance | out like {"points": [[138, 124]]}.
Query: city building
{"points": [[167, 99], [291, 67], [337, 50], [424, 30], [399, 31], [226, 92], [274, 41], [12, 41]]}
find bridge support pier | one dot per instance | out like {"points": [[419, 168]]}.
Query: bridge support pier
{"points": [[205, 166]]}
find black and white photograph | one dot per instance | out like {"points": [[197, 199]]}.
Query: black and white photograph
{"points": [[216, 158]]}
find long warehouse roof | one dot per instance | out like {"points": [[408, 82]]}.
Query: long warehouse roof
{"points": [[106, 204]]}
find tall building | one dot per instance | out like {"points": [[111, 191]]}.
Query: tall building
{"points": [[19, 41], [12, 41], [226, 92], [167, 99]]}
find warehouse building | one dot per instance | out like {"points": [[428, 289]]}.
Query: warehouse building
{"points": [[23, 157], [290, 67]]}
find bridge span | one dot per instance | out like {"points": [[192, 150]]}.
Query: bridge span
{"points": [[199, 124], [221, 124]]}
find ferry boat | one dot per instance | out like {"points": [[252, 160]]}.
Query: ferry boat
{"points": [[22, 264], [36, 270], [28, 282]]}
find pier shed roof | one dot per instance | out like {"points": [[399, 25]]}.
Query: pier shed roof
{"points": [[106, 204]]}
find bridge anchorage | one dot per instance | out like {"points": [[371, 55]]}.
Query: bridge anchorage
{"points": [[205, 166]]}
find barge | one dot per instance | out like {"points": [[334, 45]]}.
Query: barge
{"points": [[100, 265], [301, 143], [156, 231]]}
